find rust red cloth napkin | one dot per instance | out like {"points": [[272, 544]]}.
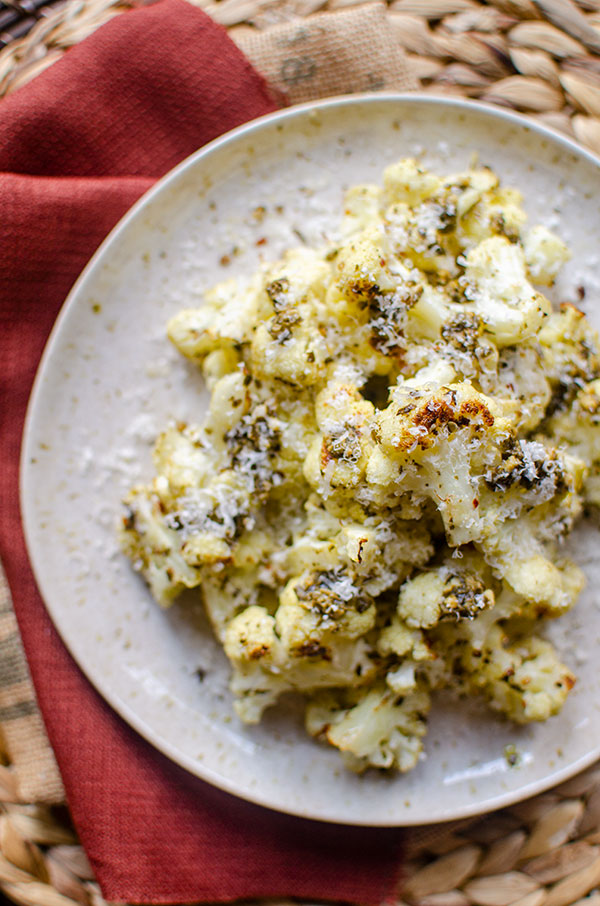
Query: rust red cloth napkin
{"points": [[78, 146]]}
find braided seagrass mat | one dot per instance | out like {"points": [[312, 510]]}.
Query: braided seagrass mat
{"points": [[540, 57]]}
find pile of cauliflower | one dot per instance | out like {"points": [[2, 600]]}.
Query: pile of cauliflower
{"points": [[401, 432]]}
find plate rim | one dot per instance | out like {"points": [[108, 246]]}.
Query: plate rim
{"points": [[122, 708]]}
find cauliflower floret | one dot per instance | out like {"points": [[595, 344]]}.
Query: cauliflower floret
{"points": [[498, 656], [453, 446], [227, 318], [192, 516], [314, 541], [155, 549], [361, 270], [301, 277], [553, 588], [382, 551], [361, 208], [401, 641], [424, 234], [436, 442], [409, 182], [291, 345], [255, 652], [432, 310], [496, 212], [545, 254], [521, 377], [210, 518], [528, 472], [571, 350], [182, 456], [471, 187], [538, 484], [253, 446], [378, 553], [227, 593], [219, 363], [231, 399], [442, 594], [271, 656], [420, 413], [289, 350], [531, 501], [389, 318], [520, 677], [317, 607], [379, 729], [578, 429], [471, 354], [251, 637], [339, 454], [403, 678], [496, 285]]}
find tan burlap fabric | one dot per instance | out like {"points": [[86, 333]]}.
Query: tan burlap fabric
{"points": [[330, 53], [333, 53]]}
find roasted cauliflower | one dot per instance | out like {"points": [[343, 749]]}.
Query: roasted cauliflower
{"points": [[401, 432]]}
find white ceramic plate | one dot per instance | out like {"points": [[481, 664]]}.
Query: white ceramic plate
{"points": [[110, 380]]}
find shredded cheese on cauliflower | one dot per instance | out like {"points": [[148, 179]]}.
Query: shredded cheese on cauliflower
{"points": [[401, 432]]}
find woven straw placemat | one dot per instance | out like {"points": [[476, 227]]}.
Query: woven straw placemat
{"points": [[541, 57]]}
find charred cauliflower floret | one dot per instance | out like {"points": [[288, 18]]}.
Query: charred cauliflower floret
{"points": [[435, 441], [419, 416], [377, 553], [401, 432], [464, 346], [424, 234], [443, 594], [360, 269], [290, 344], [323, 605], [376, 728], [274, 654], [339, 453]]}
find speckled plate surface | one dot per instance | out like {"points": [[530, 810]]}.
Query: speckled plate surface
{"points": [[109, 381]]}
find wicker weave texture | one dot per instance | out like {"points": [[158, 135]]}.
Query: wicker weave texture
{"points": [[541, 57], [544, 852]]}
